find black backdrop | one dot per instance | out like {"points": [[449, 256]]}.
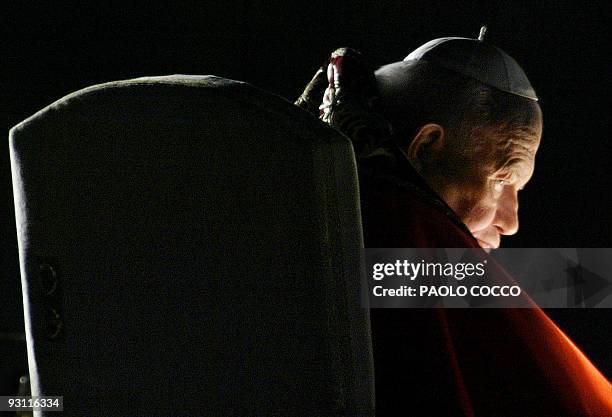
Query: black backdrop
{"points": [[51, 50]]}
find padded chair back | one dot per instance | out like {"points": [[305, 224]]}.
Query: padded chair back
{"points": [[189, 245]]}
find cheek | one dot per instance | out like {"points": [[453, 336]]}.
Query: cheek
{"points": [[476, 208], [480, 217]]}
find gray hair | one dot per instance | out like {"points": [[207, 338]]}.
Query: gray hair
{"points": [[414, 93]]}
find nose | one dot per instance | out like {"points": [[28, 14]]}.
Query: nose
{"points": [[506, 216]]}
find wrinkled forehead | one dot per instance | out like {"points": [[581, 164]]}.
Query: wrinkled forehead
{"points": [[512, 152]]}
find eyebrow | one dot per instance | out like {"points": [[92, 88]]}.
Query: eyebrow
{"points": [[510, 171]]}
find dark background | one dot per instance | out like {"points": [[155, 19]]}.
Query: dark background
{"points": [[51, 50]]}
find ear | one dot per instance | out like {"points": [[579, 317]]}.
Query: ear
{"points": [[426, 146]]}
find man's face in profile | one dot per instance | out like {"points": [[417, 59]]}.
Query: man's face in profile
{"points": [[485, 197], [479, 177]]}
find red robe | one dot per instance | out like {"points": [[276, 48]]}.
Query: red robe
{"points": [[480, 362]]}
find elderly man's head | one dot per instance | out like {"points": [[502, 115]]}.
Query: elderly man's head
{"points": [[474, 145]]}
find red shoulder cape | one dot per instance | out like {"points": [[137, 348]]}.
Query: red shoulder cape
{"points": [[481, 362]]}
